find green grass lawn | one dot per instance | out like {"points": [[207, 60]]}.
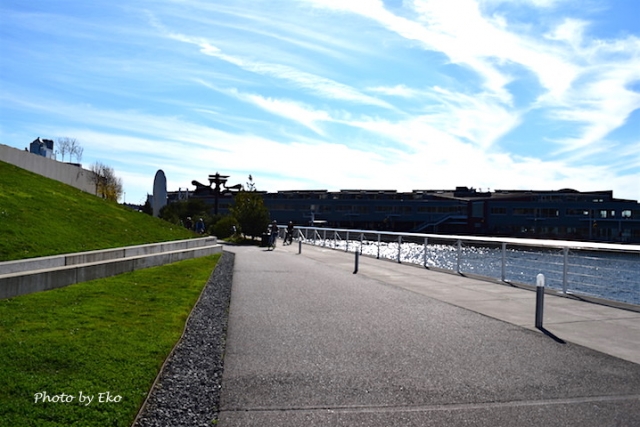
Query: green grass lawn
{"points": [[105, 336], [40, 217]]}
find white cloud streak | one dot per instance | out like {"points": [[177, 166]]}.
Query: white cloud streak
{"points": [[429, 130], [317, 85], [561, 60]]}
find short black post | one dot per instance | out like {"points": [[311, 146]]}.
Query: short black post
{"points": [[539, 299], [299, 246], [357, 261]]}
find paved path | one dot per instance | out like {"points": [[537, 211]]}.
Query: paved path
{"points": [[309, 343]]}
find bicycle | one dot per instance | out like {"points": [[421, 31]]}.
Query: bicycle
{"points": [[288, 238]]}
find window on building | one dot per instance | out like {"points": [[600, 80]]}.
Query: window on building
{"points": [[383, 208], [523, 211], [549, 213]]}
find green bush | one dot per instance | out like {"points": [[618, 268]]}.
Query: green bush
{"points": [[177, 213], [224, 227], [248, 208]]}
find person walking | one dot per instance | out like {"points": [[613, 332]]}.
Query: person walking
{"points": [[200, 226], [274, 233]]}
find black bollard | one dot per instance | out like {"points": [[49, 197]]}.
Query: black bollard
{"points": [[357, 260], [539, 300], [299, 246]]}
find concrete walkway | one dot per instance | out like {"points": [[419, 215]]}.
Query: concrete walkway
{"points": [[310, 343]]}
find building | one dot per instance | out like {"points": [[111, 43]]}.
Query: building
{"points": [[557, 214], [561, 214], [42, 147]]}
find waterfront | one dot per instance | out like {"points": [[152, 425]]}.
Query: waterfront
{"points": [[612, 276]]}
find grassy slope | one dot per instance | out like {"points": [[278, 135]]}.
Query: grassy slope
{"points": [[108, 335], [40, 216]]}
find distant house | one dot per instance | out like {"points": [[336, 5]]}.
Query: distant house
{"points": [[42, 147]]}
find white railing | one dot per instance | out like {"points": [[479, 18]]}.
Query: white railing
{"points": [[607, 271]]}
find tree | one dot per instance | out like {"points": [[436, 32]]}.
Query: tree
{"points": [[225, 227], [63, 146], [146, 208], [251, 186], [76, 150], [177, 212], [108, 185], [70, 146], [248, 208]]}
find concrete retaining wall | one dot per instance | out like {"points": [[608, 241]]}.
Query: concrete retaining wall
{"points": [[31, 264], [46, 278], [63, 172]]}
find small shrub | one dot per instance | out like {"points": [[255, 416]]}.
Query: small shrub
{"points": [[224, 228]]}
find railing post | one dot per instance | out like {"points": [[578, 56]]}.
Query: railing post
{"points": [[399, 248], [504, 262], [335, 239], [347, 241], [379, 236], [425, 252], [565, 269], [324, 238], [361, 239], [459, 256]]}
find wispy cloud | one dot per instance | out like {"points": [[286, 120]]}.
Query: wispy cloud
{"points": [[585, 79], [412, 94], [314, 84]]}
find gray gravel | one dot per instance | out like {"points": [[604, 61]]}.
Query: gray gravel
{"points": [[187, 392]]}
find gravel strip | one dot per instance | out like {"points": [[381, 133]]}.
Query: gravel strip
{"points": [[187, 391]]}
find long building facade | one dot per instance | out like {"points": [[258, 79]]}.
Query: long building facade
{"points": [[558, 214]]}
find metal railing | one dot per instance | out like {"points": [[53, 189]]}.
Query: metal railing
{"points": [[600, 270]]}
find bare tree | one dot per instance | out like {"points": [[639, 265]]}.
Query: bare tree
{"points": [[78, 152], [64, 146], [75, 150], [70, 146], [108, 185]]}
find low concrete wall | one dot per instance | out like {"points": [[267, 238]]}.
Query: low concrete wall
{"points": [[41, 263], [94, 256], [63, 172], [26, 282], [30, 264]]}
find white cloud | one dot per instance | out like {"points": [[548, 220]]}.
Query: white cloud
{"points": [[425, 94], [314, 84], [397, 90], [292, 110]]}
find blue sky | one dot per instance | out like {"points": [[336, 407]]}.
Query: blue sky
{"points": [[332, 94]]}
